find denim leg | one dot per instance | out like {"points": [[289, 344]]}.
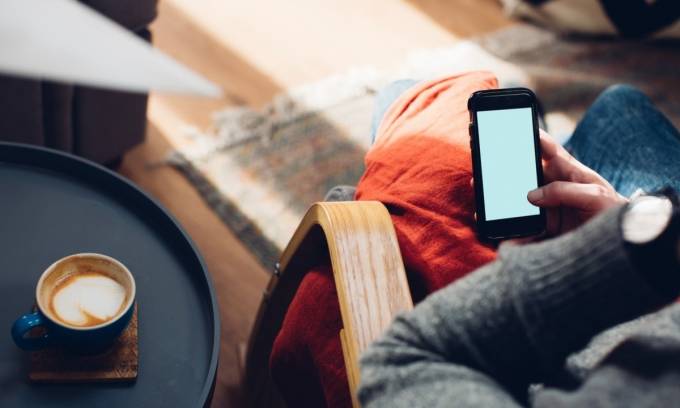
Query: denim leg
{"points": [[384, 99], [628, 141]]}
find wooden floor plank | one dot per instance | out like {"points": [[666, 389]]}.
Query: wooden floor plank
{"points": [[464, 18]]}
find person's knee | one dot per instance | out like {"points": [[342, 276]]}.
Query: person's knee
{"points": [[390, 92], [385, 97], [622, 95], [616, 104]]}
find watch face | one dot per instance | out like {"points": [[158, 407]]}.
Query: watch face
{"points": [[646, 218]]}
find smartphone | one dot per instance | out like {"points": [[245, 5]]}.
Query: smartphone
{"points": [[506, 162]]}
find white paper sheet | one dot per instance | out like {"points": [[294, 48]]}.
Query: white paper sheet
{"points": [[66, 41]]}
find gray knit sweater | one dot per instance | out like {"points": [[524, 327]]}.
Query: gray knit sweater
{"points": [[534, 328]]}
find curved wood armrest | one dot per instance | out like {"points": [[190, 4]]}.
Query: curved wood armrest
{"points": [[369, 275]]}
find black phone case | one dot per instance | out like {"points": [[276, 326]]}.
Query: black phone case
{"points": [[507, 228]]}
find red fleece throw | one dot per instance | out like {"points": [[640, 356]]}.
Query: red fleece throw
{"points": [[420, 168]]}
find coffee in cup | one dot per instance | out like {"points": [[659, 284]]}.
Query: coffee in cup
{"points": [[84, 301], [86, 298]]}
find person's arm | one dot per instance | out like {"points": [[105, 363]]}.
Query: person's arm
{"points": [[482, 340]]}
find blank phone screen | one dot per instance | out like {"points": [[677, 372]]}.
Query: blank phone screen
{"points": [[508, 161]]}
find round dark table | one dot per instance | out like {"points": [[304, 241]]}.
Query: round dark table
{"points": [[52, 205]]}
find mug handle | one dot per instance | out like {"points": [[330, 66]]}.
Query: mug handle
{"points": [[25, 323]]}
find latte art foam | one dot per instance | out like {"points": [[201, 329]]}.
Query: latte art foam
{"points": [[88, 299]]}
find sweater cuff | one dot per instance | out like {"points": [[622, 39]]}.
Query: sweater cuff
{"points": [[568, 289], [658, 258]]}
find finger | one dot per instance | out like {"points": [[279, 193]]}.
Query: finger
{"points": [[585, 197], [549, 147], [472, 182], [560, 165], [557, 162], [567, 168]]}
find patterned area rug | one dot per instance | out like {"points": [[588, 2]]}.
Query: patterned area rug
{"points": [[260, 170]]}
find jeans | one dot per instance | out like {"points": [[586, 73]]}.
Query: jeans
{"points": [[384, 99], [622, 136]]}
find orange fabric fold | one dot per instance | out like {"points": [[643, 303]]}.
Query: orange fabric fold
{"points": [[420, 168]]}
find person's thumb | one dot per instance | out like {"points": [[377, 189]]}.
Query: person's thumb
{"points": [[586, 197]]}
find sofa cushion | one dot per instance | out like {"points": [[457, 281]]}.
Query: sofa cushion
{"points": [[132, 14]]}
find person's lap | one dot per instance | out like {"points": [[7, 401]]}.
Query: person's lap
{"points": [[628, 141], [622, 136]]}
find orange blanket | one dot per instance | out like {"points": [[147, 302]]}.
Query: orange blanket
{"points": [[420, 168]]}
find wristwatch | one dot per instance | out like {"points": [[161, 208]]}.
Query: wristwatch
{"points": [[650, 225]]}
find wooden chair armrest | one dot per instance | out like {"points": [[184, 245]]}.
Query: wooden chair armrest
{"points": [[369, 275]]}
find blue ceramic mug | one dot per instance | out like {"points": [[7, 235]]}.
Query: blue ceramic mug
{"points": [[84, 336]]}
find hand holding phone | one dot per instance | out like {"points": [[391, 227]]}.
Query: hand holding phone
{"points": [[573, 193]]}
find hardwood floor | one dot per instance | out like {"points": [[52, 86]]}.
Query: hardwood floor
{"points": [[253, 50], [464, 18]]}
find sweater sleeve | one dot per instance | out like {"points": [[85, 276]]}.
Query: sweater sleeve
{"points": [[482, 340]]}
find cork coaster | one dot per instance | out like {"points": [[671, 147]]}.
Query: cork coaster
{"points": [[116, 364]]}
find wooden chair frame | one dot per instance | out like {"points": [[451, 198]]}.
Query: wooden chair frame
{"points": [[359, 239]]}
